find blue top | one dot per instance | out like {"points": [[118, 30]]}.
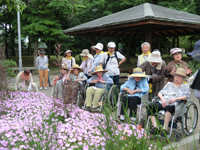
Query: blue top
{"points": [[105, 77], [96, 61], [131, 84]]}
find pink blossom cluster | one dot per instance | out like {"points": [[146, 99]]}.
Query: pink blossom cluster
{"points": [[23, 125]]}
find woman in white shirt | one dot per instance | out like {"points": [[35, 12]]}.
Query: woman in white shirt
{"points": [[68, 59], [87, 62]]}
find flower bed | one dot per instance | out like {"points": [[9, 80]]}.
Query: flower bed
{"points": [[34, 121]]}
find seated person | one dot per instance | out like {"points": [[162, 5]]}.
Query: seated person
{"points": [[136, 86], [25, 78], [170, 96], [100, 78], [72, 84], [59, 80]]}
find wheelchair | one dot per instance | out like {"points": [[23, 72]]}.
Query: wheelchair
{"points": [[107, 100], [184, 120], [139, 107]]}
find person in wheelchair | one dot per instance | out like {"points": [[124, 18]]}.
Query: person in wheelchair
{"points": [[134, 88], [100, 79], [72, 84], [171, 95], [59, 80]]}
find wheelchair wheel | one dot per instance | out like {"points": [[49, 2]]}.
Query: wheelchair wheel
{"points": [[113, 96], [189, 117]]}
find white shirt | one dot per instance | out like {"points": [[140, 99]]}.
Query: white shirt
{"points": [[68, 62], [87, 65], [112, 64]]}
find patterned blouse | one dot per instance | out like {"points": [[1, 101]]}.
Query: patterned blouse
{"points": [[170, 91]]}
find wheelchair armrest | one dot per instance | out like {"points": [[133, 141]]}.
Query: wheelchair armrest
{"points": [[155, 99]]}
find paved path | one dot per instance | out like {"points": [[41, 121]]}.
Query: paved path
{"points": [[181, 145]]}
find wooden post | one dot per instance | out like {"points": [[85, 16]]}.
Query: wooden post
{"points": [[148, 34], [177, 42], [93, 42], [158, 45], [174, 40], [128, 50]]}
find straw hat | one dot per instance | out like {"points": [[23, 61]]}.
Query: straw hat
{"points": [[24, 77], [64, 67], [98, 46], [86, 52], [155, 57], [175, 50], [76, 66], [67, 51], [181, 72], [98, 69], [137, 72]]}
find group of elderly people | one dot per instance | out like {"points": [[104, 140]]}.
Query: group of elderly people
{"points": [[103, 69]]}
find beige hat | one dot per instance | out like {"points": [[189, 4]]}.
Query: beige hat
{"points": [[86, 52], [181, 72], [98, 69], [64, 67], [24, 77], [155, 57], [77, 67], [137, 72], [98, 46]]}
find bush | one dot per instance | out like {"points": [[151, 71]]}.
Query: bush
{"points": [[8, 66], [194, 65]]}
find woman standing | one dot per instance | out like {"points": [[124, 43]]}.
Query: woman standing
{"points": [[87, 62], [68, 59], [42, 66], [172, 66]]}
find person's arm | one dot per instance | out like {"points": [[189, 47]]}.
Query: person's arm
{"points": [[90, 65], [138, 62], [122, 57], [73, 61], [164, 102], [37, 63], [161, 75], [102, 59], [191, 79]]}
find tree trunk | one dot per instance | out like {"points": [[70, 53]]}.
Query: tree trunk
{"points": [[35, 51], [128, 50], [49, 49]]}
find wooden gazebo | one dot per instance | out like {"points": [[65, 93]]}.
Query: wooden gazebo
{"points": [[143, 21]]}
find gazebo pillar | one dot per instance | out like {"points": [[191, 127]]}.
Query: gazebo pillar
{"points": [[148, 34], [93, 42]]}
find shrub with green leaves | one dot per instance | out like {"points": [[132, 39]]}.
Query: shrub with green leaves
{"points": [[8, 66]]}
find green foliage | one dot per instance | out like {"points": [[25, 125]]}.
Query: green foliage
{"points": [[194, 65], [8, 65]]}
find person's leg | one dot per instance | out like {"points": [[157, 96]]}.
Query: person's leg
{"points": [[151, 109], [97, 95], [89, 93], [34, 86], [86, 75], [45, 77], [116, 80], [41, 74], [124, 103], [132, 102], [49, 81], [169, 109]]}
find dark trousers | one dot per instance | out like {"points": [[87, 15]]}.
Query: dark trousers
{"points": [[152, 108], [132, 104], [49, 81], [115, 80]]}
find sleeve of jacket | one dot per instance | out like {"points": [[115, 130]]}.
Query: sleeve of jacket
{"points": [[37, 63], [145, 86], [17, 80]]}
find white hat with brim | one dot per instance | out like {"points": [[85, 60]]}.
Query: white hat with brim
{"points": [[76, 66], [98, 46], [176, 50], [68, 51], [155, 57], [98, 69], [86, 52], [181, 72], [137, 72]]}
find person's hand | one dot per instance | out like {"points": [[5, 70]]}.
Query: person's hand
{"points": [[71, 69], [164, 103], [131, 92], [171, 101], [56, 78], [77, 80], [101, 81], [94, 81], [188, 71]]}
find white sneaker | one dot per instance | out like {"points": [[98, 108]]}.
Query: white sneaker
{"points": [[41, 88], [45, 88]]}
